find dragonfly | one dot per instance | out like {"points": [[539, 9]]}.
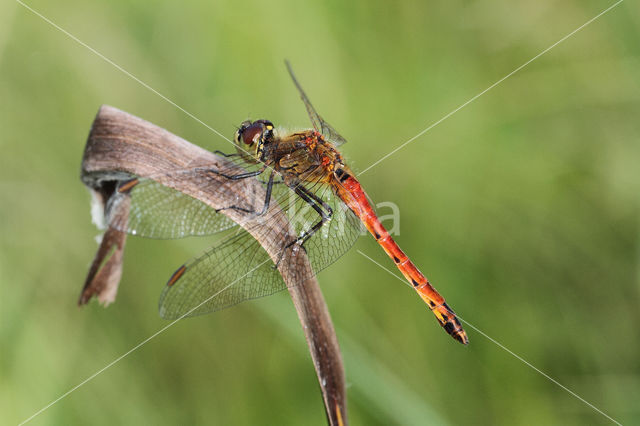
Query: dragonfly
{"points": [[305, 176]]}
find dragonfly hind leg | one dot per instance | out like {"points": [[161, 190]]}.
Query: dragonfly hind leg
{"points": [[318, 205]]}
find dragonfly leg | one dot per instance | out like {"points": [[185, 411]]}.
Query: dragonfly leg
{"points": [[235, 154], [275, 182], [238, 176], [314, 201], [318, 205], [267, 199]]}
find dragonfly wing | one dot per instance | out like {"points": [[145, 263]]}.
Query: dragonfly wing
{"points": [[330, 133], [235, 270], [239, 268], [318, 123], [158, 211]]}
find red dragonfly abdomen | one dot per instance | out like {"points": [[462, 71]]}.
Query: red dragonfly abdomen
{"points": [[352, 194]]}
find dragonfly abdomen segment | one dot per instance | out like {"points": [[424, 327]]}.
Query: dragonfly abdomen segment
{"points": [[352, 194], [445, 316]]}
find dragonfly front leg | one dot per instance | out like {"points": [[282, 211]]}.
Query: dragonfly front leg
{"points": [[235, 154]]}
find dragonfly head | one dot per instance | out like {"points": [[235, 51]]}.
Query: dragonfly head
{"points": [[251, 137]]}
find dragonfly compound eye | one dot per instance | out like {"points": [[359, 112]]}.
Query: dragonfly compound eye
{"points": [[251, 134]]}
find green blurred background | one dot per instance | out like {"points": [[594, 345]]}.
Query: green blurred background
{"points": [[522, 208]]}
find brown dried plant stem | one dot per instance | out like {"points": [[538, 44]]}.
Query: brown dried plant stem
{"points": [[121, 145]]}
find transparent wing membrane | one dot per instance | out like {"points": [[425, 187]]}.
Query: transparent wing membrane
{"points": [[237, 268], [319, 124], [157, 211]]}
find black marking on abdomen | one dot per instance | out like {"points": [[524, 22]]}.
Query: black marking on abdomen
{"points": [[342, 175], [448, 326]]}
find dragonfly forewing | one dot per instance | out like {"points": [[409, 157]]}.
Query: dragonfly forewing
{"points": [[160, 208], [157, 211], [317, 121]]}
